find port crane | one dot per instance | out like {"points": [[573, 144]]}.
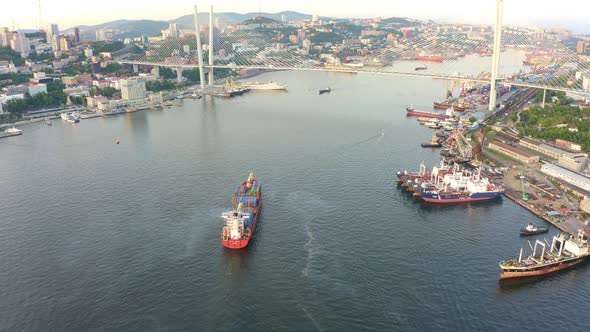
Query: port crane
{"points": [[478, 149], [459, 146], [525, 196]]}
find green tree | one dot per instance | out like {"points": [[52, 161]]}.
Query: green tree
{"points": [[102, 46], [107, 92], [78, 100], [113, 68], [157, 86], [192, 75], [167, 73]]}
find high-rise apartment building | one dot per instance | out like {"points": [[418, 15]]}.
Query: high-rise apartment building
{"points": [[582, 47], [133, 88], [52, 30]]}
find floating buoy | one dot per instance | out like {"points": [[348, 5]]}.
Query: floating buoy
{"points": [[117, 142]]}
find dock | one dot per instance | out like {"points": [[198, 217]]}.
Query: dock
{"points": [[541, 199], [534, 211]]}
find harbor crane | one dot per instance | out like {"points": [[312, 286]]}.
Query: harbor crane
{"points": [[525, 196]]}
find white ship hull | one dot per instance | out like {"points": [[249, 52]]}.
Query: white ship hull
{"points": [[264, 86]]}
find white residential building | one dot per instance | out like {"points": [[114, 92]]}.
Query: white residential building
{"points": [[36, 88], [133, 88]]}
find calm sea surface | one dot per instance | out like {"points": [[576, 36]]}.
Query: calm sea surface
{"points": [[106, 237]]}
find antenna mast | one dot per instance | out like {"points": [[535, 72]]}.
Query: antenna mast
{"points": [[40, 18]]}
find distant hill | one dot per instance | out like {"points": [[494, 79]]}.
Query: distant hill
{"points": [[259, 20], [188, 21], [400, 21], [136, 28], [127, 28]]}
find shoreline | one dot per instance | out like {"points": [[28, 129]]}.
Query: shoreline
{"points": [[537, 214]]}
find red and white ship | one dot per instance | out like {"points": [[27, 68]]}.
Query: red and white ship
{"points": [[240, 222]]}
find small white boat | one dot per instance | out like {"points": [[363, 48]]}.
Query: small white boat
{"points": [[72, 117], [12, 131], [448, 126]]}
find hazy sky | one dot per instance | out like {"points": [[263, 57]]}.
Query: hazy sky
{"points": [[67, 13]]}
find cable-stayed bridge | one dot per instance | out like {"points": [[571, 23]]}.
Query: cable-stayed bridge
{"points": [[458, 52]]}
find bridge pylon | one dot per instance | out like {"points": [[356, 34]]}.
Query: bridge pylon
{"points": [[211, 46], [496, 55], [199, 50]]}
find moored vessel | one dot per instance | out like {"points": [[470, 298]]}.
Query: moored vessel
{"points": [[240, 221], [445, 106], [434, 142], [234, 89], [458, 186], [116, 111], [531, 229], [265, 86], [12, 131], [410, 111], [426, 57], [71, 117], [565, 251]]}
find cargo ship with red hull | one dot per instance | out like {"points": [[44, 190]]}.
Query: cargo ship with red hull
{"points": [[458, 186], [446, 106], [565, 251], [240, 221], [413, 112], [431, 58]]}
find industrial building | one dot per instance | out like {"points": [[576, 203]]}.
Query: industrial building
{"points": [[541, 147], [573, 161], [570, 177], [513, 152]]}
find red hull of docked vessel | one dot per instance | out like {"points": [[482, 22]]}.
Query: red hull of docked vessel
{"points": [[457, 200], [445, 106], [547, 270], [413, 112]]}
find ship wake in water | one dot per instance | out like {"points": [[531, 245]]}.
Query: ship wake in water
{"points": [[313, 207]]}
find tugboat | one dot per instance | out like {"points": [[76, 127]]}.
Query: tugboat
{"points": [[565, 251], [531, 229], [325, 90], [240, 222], [434, 143]]}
